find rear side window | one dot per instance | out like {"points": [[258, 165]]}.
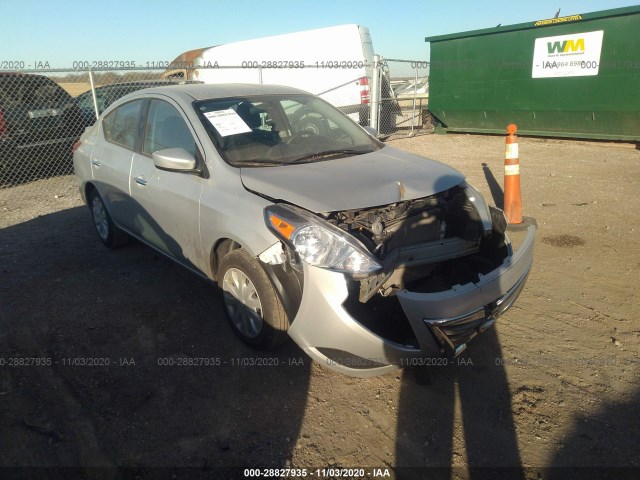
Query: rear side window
{"points": [[121, 125], [165, 128], [30, 90], [85, 101]]}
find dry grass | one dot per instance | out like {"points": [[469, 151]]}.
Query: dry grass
{"points": [[75, 89]]}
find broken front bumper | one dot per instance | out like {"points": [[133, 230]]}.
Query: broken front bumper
{"points": [[441, 322]]}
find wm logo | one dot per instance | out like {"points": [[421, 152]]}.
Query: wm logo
{"points": [[566, 46]]}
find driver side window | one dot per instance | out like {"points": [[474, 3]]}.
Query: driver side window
{"points": [[166, 128]]}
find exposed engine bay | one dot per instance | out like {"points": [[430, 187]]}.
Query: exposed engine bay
{"points": [[418, 242], [381, 229]]}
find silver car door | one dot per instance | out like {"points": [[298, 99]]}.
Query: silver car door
{"points": [[111, 159], [166, 203]]}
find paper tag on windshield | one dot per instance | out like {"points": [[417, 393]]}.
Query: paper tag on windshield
{"points": [[227, 122]]}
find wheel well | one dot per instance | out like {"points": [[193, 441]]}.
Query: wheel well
{"points": [[285, 280], [88, 189], [219, 250]]}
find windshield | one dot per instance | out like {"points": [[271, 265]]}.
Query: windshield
{"points": [[281, 129]]}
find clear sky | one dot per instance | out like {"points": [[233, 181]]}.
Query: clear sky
{"points": [[63, 32]]}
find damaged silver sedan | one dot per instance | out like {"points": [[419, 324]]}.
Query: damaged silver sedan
{"points": [[366, 256]]}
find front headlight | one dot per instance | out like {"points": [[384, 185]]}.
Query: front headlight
{"points": [[319, 243], [478, 201]]}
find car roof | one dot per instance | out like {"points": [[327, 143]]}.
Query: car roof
{"points": [[159, 82], [20, 74], [142, 84], [134, 85], [221, 90]]}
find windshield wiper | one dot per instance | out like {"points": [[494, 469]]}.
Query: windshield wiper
{"points": [[259, 163], [330, 153]]}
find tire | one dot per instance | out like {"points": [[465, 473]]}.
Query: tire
{"points": [[253, 309], [107, 231]]}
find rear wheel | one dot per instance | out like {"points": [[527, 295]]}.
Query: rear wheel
{"points": [[253, 309], [109, 234]]}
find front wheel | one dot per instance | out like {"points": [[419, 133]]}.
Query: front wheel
{"points": [[253, 309]]}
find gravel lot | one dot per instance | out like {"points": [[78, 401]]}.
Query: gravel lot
{"points": [[554, 384]]}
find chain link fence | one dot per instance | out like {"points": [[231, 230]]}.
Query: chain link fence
{"points": [[404, 102], [43, 113]]}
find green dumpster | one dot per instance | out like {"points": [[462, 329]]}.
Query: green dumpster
{"points": [[575, 76]]}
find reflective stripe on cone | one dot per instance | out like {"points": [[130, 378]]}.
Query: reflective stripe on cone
{"points": [[512, 196]]}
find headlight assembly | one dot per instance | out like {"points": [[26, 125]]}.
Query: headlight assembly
{"points": [[319, 243], [478, 201]]}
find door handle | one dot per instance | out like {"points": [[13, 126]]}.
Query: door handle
{"points": [[140, 181], [96, 162]]}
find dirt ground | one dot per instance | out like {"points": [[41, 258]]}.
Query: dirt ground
{"points": [[553, 385]]}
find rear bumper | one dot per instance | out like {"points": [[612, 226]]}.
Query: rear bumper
{"points": [[12, 150], [442, 322]]}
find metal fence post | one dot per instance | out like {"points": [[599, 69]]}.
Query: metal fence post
{"points": [[93, 94], [415, 95], [375, 94]]}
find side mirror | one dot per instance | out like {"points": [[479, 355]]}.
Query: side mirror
{"points": [[174, 159], [371, 131]]}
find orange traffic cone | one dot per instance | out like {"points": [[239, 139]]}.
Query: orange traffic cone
{"points": [[512, 197]]}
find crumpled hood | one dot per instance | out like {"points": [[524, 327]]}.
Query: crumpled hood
{"points": [[378, 178]]}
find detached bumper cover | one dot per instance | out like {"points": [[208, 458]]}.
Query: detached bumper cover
{"points": [[454, 333], [442, 321]]}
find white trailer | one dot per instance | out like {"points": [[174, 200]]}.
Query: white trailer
{"points": [[335, 63]]}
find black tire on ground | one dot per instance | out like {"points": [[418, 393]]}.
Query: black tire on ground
{"points": [[107, 231], [252, 306]]}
